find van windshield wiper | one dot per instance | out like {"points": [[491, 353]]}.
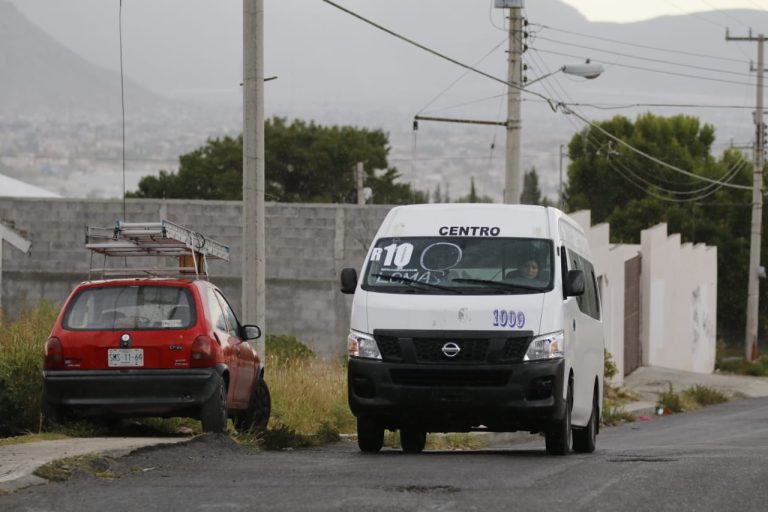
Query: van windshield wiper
{"points": [[498, 284], [408, 280]]}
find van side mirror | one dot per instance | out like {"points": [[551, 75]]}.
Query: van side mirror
{"points": [[348, 280], [251, 332], [574, 283]]}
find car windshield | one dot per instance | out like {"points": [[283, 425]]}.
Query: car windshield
{"points": [[131, 307], [465, 265]]}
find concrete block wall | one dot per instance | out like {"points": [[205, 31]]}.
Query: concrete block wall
{"points": [[306, 247]]}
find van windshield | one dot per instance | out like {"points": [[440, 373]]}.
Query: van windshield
{"points": [[131, 307], [466, 265]]}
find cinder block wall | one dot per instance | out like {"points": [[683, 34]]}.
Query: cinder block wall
{"points": [[306, 246]]}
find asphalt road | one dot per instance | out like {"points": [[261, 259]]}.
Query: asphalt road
{"points": [[713, 459]]}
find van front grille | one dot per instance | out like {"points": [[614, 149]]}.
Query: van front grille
{"points": [[389, 347], [514, 349], [431, 350]]}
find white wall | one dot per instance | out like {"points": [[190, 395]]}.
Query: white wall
{"points": [[678, 294]]}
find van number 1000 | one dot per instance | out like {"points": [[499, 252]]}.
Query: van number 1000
{"points": [[511, 319]]}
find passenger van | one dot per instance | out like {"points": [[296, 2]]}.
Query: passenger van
{"points": [[472, 317]]}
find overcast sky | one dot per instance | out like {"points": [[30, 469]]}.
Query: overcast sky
{"points": [[193, 47], [635, 10]]}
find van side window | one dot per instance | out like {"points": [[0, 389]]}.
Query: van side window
{"points": [[575, 263], [589, 302]]}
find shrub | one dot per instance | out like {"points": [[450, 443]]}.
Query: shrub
{"points": [[284, 348], [670, 400], [614, 414], [609, 367], [21, 359], [704, 396]]}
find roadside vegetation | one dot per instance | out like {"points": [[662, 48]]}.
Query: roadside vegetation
{"points": [[614, 399], [693, 398], [21, 359], [730, 359]]}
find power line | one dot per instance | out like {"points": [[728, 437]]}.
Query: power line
{"points": [[555, 105], [457, 80], [640, 68], [648, 59], [647, 47]]}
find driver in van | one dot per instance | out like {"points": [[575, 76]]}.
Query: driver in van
{"points": [[530, 269]]}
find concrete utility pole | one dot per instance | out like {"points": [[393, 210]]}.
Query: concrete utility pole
{"points": [[513, 180], [254, 282], [750, 337], [359, 170]]}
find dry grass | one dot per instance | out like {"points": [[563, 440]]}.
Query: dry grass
{"points": [[309, 396], [21, 358]]}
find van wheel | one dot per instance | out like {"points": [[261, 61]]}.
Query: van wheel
{"points": [[370, 435], [584, 438], [256, 417], [213, 413], [412, 441], [558, 437]]}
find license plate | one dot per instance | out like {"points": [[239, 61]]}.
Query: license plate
{"points": [[125, 357]]}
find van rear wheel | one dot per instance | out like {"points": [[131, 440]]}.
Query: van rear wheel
{"points": [[370, 435], [558, 437], [412, 441]]}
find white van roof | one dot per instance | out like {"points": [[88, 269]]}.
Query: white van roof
{"points": [[468, 219]]}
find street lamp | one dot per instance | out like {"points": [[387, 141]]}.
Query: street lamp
{"points": [[588, 70]]}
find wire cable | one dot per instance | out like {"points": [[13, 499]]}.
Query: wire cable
{"points": [[651, 70], [122, 96], [647, 47], [647, 59], [556, 106], [466, 72]]}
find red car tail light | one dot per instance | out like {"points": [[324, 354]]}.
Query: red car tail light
{"points": [[202, 351], [54, 354]]}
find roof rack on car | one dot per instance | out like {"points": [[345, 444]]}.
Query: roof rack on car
{"points": [[164, 239]]}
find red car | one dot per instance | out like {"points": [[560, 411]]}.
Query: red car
{"points": [[154, 346]]}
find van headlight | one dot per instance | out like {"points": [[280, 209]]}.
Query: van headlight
{"points": [[548, 346], [362, 345]]}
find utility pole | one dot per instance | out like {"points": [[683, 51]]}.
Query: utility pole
{"points": [[750, 336], [512, 174], [359, 182], [254, 282]]}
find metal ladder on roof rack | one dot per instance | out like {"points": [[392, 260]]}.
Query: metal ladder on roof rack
{"points": [[164, 238]]}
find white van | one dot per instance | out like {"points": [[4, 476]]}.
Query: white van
{"points": [[476, 317]]}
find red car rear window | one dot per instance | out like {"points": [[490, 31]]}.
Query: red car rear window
{"points": [[131, 307]]}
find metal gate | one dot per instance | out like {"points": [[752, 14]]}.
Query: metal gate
{"points": [[632, 350]]}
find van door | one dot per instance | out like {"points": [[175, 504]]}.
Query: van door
{"points": [[584, 345]]}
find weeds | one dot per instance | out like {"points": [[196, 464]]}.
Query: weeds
{"points": [[614, 414], [693, 398], [704, 396], [60, 470], [309, 395], [21, 357]]}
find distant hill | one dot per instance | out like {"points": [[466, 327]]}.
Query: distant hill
{"points": [[40, 75]]}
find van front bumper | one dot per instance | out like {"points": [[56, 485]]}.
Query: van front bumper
{"points": [[458, 398], [138, 392]]}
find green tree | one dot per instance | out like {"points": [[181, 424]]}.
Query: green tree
{"points": [[304, 162], [633, 193], [531, 192], [473, 196]]}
